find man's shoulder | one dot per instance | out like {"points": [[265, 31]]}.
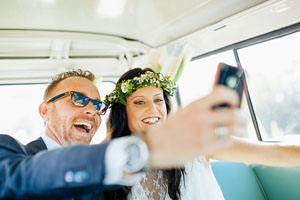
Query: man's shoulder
{"points": [[7, 139], [11, 144]]}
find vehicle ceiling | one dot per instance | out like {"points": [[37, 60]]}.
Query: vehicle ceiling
{"points": [[35, 32]]}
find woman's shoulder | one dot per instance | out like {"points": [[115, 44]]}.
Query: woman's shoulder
{"points": [[199, 181], [200, 161]]}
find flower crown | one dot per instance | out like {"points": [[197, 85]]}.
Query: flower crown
{"points": [[127, 87]]}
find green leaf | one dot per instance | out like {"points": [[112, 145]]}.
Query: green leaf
{"points": [[179, 71]]}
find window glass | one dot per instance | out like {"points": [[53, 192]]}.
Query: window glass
{"points": [[20, 117], [198, 76], [19, 114], [273, 70], [197, 81]]}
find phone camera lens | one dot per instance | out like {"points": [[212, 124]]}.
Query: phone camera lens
{"points": [[231, 81]]}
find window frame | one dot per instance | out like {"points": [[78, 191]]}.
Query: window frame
{"points": [[243, 44]]}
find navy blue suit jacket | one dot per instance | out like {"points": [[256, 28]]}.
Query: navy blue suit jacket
{"points": [[32, 172]]}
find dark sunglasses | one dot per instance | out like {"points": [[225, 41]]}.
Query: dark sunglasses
{"points": [[81, 101]]}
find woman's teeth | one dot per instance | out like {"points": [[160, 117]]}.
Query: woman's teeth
{"points": [[151, 120]]}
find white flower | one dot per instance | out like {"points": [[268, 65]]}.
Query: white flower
{"points": [[124, 87], [161, 77]]}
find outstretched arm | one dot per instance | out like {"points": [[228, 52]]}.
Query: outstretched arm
{"points": [[64, 172], [272, 154]]}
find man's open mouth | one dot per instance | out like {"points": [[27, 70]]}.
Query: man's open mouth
{"points": [[83, 126]]}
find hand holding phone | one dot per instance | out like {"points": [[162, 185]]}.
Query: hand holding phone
{"points": [[231, 77]]}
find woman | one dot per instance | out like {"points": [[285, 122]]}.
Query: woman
{"points": [[140, 100], [142, 108]]}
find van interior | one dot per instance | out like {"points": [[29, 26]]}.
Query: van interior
{"points": [[41, 38]]}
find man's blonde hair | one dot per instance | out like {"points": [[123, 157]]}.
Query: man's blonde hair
{"points": [[64, 75]]}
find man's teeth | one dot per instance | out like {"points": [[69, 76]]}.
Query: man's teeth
{"points": [[151, 120], [85, 124]]}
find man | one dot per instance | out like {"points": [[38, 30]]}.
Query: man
{"points": [[72, 114]]}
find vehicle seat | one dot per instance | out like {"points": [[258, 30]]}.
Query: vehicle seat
{"points": [[279, 182], [238, 181]]}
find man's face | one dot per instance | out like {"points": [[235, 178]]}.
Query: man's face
{"points": [[70, 124]]}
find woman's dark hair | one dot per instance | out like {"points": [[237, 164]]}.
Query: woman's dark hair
{"points": [[117, 125]]}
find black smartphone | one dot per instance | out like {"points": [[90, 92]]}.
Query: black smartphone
{"points": [[231, 77]]}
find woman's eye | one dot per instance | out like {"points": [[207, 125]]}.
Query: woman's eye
{"points": [[158, 100], [139, 102]]}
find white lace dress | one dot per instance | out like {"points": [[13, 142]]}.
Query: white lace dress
{"points": [[200, 184]]}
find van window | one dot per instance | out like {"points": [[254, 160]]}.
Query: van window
{"points": [[272, 73], [197, 81], [198, 76], [273, 69]]}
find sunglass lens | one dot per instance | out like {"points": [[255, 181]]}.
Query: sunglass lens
{"points": [[78, 99], [98, 106], [81, 100]]}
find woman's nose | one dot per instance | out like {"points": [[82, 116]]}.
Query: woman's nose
{"points": [[151, 106]]}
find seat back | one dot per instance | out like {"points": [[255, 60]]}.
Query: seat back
{"points": [[279, 182], [238, 181]]}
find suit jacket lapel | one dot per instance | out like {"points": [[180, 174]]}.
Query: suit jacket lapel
{"points": [[36, 146]]}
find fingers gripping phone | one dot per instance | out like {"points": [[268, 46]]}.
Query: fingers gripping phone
{"points": [[231, 77]]}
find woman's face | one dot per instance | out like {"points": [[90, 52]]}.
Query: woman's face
{"points": [[145, 107]]}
